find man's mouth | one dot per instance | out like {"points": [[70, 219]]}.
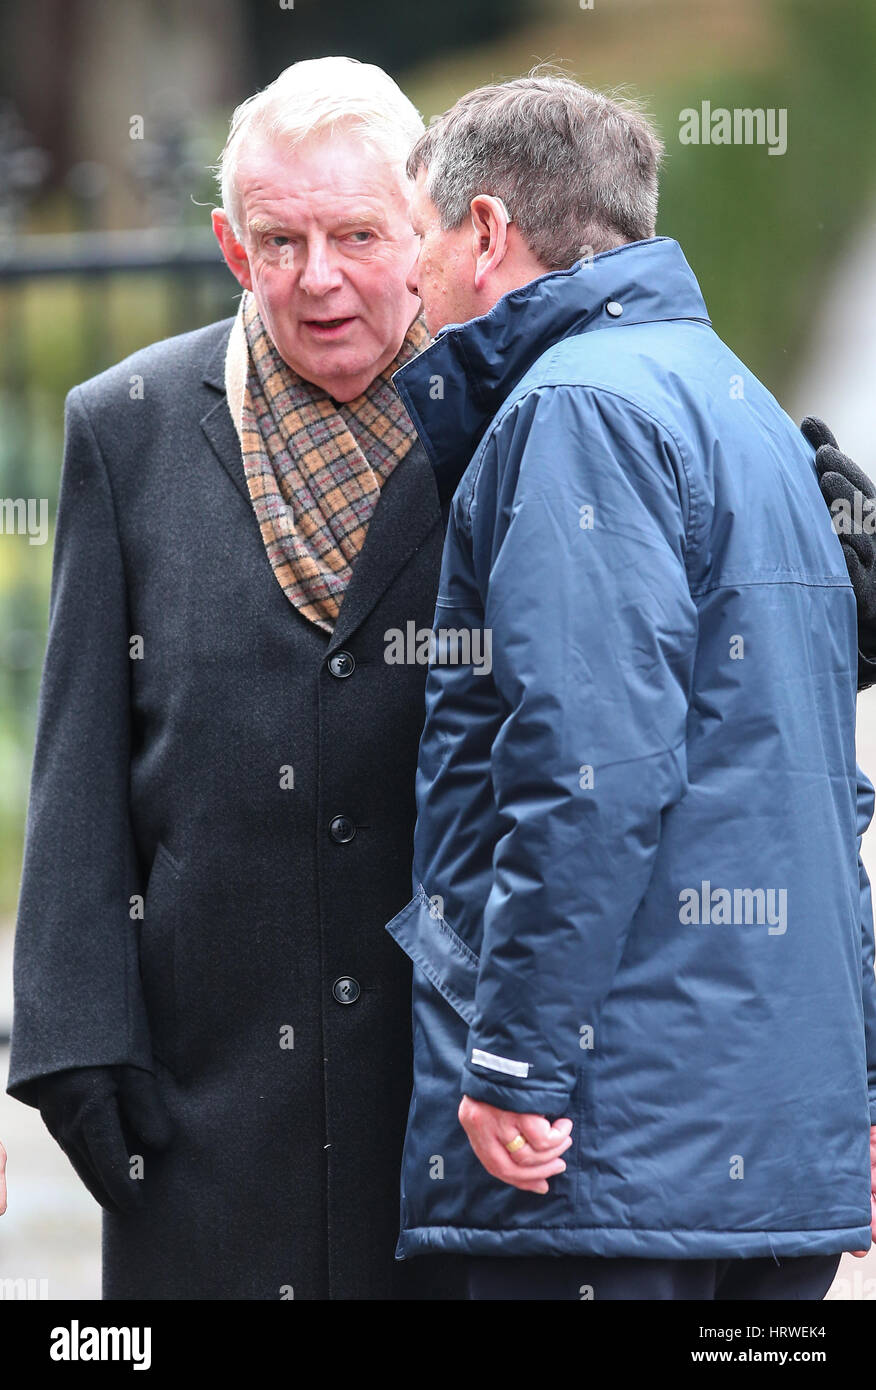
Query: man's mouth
{"points": [[327, 328]]}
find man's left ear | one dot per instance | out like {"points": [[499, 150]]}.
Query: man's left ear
{"points": [[235, 255], [489, 220]]}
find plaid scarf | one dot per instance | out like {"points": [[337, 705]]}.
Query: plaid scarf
{"points": [[314, 466]]}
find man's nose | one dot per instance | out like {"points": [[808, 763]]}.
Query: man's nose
{"points": [[320, 273]]}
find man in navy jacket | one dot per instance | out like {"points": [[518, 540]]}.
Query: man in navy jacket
{"points": [[641, 926]]}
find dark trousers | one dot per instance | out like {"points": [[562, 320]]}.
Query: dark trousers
{"points": [[587, 1276]]}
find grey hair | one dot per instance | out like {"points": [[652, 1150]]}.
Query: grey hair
{"points": [[320, 94], [576, 169]]}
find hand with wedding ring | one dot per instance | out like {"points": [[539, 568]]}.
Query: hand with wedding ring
{"points": [[521, 1150]]}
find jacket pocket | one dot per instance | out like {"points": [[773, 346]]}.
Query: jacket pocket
{"points": [[158, 952], [431, 943]]}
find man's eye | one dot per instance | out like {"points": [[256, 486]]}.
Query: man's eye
{"points": [[278, 241], [361, 238]]}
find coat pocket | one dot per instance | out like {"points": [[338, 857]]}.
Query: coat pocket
{"points": [[431, 943], [158, 952]]}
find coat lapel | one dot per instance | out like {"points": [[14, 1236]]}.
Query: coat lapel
{"points": [[405, 515], [218, 425]]}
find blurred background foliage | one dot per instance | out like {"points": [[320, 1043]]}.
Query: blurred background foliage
{"points": [[763, 233]]}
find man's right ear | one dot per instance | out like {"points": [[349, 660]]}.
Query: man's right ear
{"points": [[235, 256]]}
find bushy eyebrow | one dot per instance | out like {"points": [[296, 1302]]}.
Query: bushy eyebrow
{"points": [[263, 226]]}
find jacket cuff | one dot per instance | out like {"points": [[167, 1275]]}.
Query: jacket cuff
{"points": [[872, 1111], [24, 1084], [552, 1101]]}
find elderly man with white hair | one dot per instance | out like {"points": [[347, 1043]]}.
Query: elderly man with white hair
{"points": [[209, 1014]]}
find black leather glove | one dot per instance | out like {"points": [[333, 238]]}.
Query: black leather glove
{"points": [[841, 479], [95, 1114]]}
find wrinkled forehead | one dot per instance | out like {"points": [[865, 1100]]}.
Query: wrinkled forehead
{"points": [[325, 172]]}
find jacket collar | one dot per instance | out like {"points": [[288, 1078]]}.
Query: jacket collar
{"points": [[455, 387]]}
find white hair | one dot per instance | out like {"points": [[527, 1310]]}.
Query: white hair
{"points": [[319, 94]]}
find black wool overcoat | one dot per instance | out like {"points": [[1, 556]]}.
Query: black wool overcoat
{"points": [[199, 748]]}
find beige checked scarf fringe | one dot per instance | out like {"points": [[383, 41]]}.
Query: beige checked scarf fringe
{"points": [[314, 467]]}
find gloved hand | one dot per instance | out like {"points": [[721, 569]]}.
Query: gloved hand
{"points": [[840, 478], [93, 1113]]}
